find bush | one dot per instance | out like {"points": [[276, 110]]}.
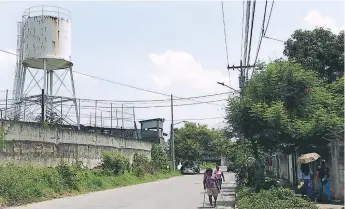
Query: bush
{"points": [[140, 165], [278, 198], [159, 158], [69, 175], [115, 161], [251, 174]]}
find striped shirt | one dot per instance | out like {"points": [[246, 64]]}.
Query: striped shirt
{"points": [[210, 181]]}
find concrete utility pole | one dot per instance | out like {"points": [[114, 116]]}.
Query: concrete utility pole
{"points": [[242, 77]]}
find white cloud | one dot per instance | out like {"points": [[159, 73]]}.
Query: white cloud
{"points": [[179, 73], [315, 19], [179, 68]]}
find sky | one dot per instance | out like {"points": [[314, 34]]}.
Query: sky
{"points": [[169, 47]]}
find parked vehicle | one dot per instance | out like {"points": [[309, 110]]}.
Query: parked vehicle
{"points": [[190, 168]]}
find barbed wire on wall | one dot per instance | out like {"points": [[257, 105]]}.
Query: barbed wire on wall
{"points": [[100, 113]]}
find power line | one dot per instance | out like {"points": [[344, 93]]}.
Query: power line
{"points": [[154, 106], [121, 84], [226, 42], [274, 39], [110, 81], [269, 18], [140, 88], [198, 119], [246, 32], [242, 27], [263, 32], [261, 36], [155, 100], [251, 36]]}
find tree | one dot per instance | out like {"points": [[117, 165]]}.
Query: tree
{"points": [[285, 107], [192, 140], [187, 149], [319, 50]]}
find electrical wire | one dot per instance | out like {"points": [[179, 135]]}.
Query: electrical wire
{"points": [[129, 86], [121, 84], [242, 27], [246, 32], [191, 119], [260, 38], [151, 101], [225, 39], [250, 39], [263, 32], [269, 18], [157, 106]]}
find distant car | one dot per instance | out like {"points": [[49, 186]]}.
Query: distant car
{"points": [[230, 168], [190, 168]]}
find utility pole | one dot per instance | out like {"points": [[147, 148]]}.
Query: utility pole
{"points": [[122, 116], [117, 119], [42, 106], [90, 119], [96, 113], [111, 115], [242, 77], [6, 103], [172, 137]]}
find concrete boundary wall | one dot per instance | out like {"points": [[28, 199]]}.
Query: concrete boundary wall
{"points": [[35, 144]]}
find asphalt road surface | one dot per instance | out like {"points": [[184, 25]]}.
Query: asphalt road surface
{"points": [[183, 192]]}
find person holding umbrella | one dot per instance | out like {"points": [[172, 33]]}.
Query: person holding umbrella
{"points": [[306, 174], [306, 179]]}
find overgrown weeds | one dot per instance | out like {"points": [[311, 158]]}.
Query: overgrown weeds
{"points": [[26, 184], [277, 198]]}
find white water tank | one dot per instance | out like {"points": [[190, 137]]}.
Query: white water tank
{"points": [[46, 35]]}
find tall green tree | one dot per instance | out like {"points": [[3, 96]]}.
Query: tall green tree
{"points": [[319, 50], [286, 107], [192, 140]]}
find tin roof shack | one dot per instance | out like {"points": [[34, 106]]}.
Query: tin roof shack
{"points": [[152, 130]]}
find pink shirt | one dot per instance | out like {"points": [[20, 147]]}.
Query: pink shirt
{"points": [[218, 173]]}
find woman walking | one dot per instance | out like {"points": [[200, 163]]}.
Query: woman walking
{"points": [[219, 176], [306, 178], [211, 186]]}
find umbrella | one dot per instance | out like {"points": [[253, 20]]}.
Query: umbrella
{"points": [[307, 158]]}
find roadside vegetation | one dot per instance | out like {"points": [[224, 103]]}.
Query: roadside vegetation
{"points": [[275, 198], [289, 104], [205, 165], [27, 184]]}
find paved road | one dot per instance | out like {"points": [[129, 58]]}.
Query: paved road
{"points": [[183, 192]]}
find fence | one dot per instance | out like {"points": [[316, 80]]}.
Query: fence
{"points": [[95, 113]]}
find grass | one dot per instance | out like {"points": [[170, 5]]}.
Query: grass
{"points": [[26, 184], [205, 165]]}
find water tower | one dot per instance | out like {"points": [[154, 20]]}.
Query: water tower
{"points": [[44, 85]]}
